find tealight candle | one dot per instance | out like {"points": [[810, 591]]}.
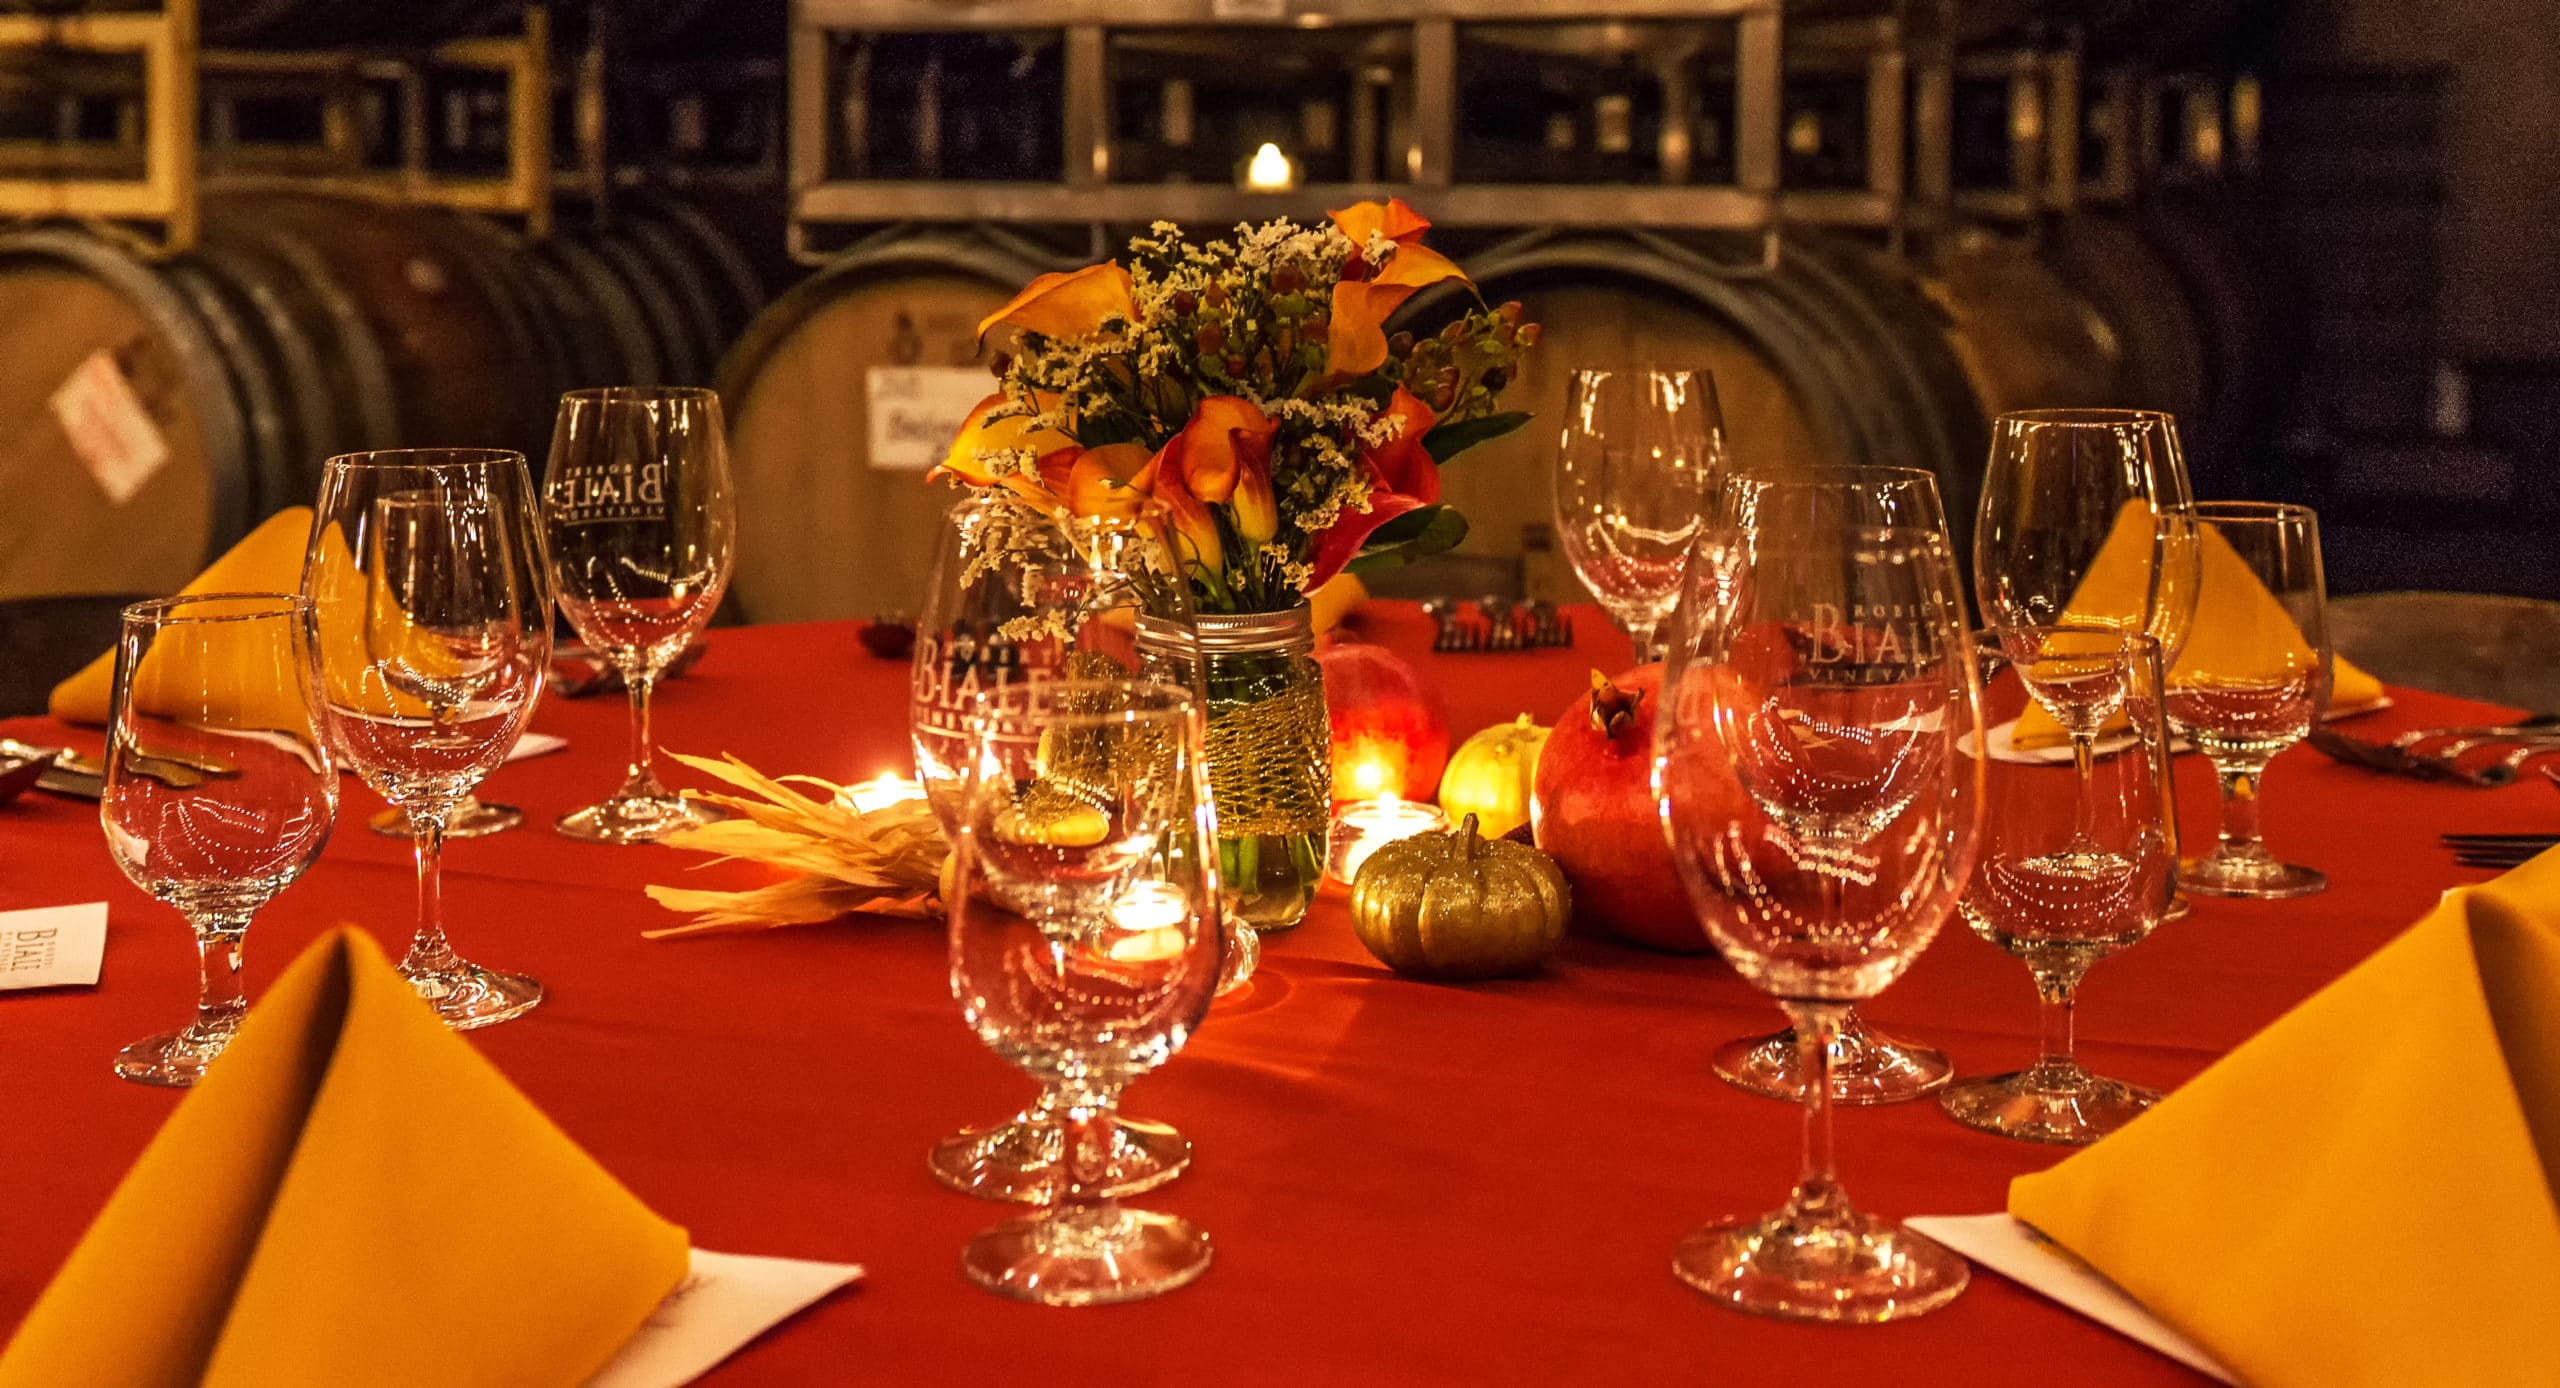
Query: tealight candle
{"points": [[880, 792], [1149, 918], [1362, 827]]}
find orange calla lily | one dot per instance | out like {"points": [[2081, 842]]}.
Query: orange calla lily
{"points": [[1068, 303], [1391, 219], [1225, 435], [1402, 477], [1356, 341], [980, 436], [1110, 481], [1195, 528]]}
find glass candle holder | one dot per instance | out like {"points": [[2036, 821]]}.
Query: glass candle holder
{"points": [[1362, 827]]}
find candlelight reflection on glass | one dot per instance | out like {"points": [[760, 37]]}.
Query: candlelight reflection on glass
{"points": [[879, 793], [1362, 827]]}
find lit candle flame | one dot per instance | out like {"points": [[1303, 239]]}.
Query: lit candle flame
{"points": [[1270, 171], [880, 792]]}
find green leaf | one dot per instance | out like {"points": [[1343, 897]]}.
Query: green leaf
{"points": [[1450, 440], [1417, 534]]}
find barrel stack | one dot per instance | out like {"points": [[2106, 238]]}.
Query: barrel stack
{"points": [[1878, 225], [284, 229]]}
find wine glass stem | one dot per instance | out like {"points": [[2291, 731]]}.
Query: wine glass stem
{"points": [[428, 952], [641, 779], [2055, 991], [1640, 633], [2084, 806], [2240, 809], [220, 1000], [1817, 1025], [1084, 1148]]}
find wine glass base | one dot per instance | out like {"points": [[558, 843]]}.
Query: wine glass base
{"points": [[467, 996], [2179, 908], [2248, 878], [1848, 1268], [473, 818], [1018, 1160], [174, 1059], [638, 819], [1871, 1068], [1087, 1257], [2072, 1107]]}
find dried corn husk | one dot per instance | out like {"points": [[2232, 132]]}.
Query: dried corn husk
{"points": [[886, 862]]}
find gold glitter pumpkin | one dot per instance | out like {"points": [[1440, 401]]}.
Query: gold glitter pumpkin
{"points": [[1459, 905]]}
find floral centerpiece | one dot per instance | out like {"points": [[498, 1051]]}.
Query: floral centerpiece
{"points": [[1242, 400]]}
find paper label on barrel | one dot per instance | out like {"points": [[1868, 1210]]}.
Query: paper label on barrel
{"points": [[108, 427], [917, 410], [1248, 9]]}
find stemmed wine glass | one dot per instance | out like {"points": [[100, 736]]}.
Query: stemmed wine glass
{"points": [[2071, 870], [1641, 452], [1825, 671], [1085, 945], [643, 528], [1017, 597], [219, 788], [2256, 682], [426, 586], [1867, 1066]]}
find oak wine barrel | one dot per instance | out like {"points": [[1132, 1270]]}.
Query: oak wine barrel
{"points": [[2160, 364], [2026, 338], [826, 529]]}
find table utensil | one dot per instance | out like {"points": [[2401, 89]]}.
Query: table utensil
{"points": [[1642, 451], [21, 767], [191, 674], [1867, 1066], [1858, 836], [2392, 760], [643, 530], [2260, 687], [577, 671], [427, 588], [1085, 948], [2064, 888], [1013, 599]]}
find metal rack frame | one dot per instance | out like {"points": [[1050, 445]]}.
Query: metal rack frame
{"points": [[1088, 195]]}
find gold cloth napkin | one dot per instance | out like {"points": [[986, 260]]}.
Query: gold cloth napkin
{"points": [[351, 1196], [2361, 1193], [267, 560], [2236, 619]]}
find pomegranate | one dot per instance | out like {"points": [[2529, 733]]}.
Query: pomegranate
{"points": [[1592, 809], [1389, 735]]}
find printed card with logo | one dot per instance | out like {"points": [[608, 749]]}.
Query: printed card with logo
{"points": [[53, 946]]}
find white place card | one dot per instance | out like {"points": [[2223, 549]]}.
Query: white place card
{"points": [[533, 744], [725, 1301], [2012, 1247], [53, 946]]}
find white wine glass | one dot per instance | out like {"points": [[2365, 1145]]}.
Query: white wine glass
{"points": [[1642, 450], [2073, 868], [1013, 598], [219, 788], [643, 527], [434, 626], [1824, 670], [1867, 1066], [2255, 683], [1085, 948]]}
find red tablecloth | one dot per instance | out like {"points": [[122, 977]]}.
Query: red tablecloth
{"points": [[1407, 1183]]}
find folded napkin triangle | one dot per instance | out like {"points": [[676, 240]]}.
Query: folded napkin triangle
{"points": [[2361, 1193], [267, 560], [351, 1196], [2238, 625]]}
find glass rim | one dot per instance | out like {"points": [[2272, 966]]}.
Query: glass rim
{"points": [[606, 395], [2254, 511], [1159, 697], [2085, 416], [168, 611], [426, 458], [1642, 368], [1826, 473]]}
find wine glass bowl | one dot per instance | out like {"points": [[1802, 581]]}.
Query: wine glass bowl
{"points": [[425, 577], [2087, 519], [2255, 682], [2071, 870], [1868, 1066], [1086, 989], [1641, 451], [222, 681], [641, 516]]}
